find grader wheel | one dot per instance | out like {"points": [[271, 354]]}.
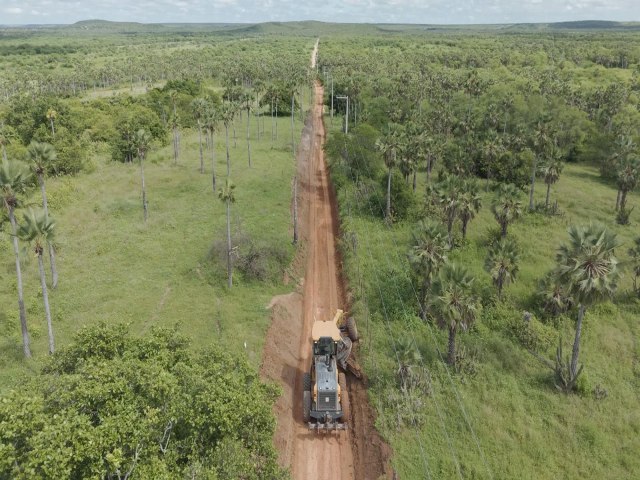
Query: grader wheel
{"points": [[352, 329]]}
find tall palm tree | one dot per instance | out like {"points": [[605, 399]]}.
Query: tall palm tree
{"points": [[492, 150], [199, 106], [41, 156], [448, 193], [142, 142], [543, 142], [13, 178], [247, 99], [627, 177], [453, 306], [428, 252], [388, 145], [506, 206], [38, 229], [212, 120], [587, 266], [469, 204], [227, 196], [175, 125], [227, 115], [551, 171], [51, 116], [502, 263]]}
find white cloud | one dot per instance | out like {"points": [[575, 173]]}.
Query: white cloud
{"points": [[250, 11]]}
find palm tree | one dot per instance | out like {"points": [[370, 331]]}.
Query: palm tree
{"points": [[502, 263], [7, 134], [199, 106], [506, 206], [469, 204], [13, 178], [634, 253], [246, 99], [228, 114], [42, 155], [408, 357], [175, 125], [554, 296], [628, 176], [542, 144], [551, 173], [448, 194], [38, 229], [588, 268], [492, 150], [452, 305], [227, 196], [212, 119], [428, 252], [51, 116], [388, 145], [141, 142]]}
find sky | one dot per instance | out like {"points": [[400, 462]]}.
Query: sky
{"points": [[346, 11]]}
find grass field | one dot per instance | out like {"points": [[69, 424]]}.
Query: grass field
{"points": [[501, 418], [115, 268]]}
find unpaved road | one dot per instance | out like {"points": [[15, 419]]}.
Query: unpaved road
{"points": [[357, 453]]}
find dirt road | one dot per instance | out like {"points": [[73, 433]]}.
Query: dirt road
{"points": [[357, 453]]}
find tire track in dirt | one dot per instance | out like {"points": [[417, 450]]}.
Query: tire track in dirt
{"points": [[358, 453]]}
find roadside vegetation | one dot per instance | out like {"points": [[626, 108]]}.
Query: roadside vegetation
{"points": [[490, 254], [121, 259]]}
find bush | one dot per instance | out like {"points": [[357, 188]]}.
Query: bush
{"points": [[111, 403]]}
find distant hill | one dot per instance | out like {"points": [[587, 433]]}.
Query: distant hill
{"points": [[595, 25]]}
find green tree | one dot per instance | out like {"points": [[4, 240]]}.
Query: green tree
{"points": [[469, 204], [13, 178], [227, 196], [634, 253], [502, 263], [114, 406], [141, 143], [627, 178], [453, 306], [448, 194], [389, 145], [408, 358], [199, 107], [41, 156], [588, 269], [38, 229], [550, 172], [51, 116], [212, 120], [506, 206], [428, 252]]}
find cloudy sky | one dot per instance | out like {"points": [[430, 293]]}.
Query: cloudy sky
{"points": [[250, 11]]}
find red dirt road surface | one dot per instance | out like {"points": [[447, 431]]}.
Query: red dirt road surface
{"points": [[357, 453]]}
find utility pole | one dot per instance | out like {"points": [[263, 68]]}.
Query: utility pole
{"points": [[346, 123], [332, 98]]}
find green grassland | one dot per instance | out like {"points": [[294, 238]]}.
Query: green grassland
{"points": [[502, 417], [115, 268]]}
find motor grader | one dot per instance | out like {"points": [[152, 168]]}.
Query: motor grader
{"points": [[325, 398]]}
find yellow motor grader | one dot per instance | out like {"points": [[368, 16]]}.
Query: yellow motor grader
{"points": [[325, 400]]}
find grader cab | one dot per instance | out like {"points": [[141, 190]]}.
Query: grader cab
{"points": [[325, 396]]}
